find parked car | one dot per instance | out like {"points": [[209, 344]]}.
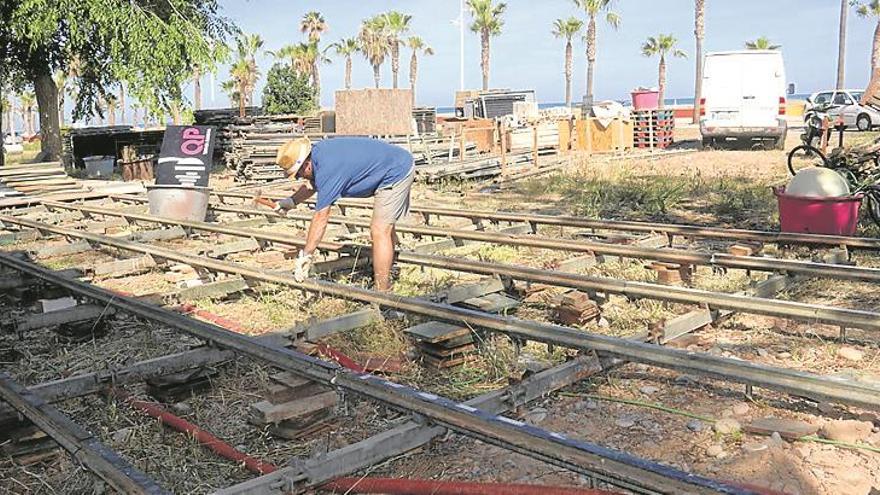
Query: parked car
{"points": [[10, 139], [846, 103], [743, 97]]}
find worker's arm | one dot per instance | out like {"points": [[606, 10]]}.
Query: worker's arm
{"points": [[316, 230], [304, 192]]}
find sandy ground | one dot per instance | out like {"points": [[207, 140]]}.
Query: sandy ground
{"points": [[714, 187]]}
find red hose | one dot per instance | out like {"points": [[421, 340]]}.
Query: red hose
{"points": [[220, 447], [395, 486]]}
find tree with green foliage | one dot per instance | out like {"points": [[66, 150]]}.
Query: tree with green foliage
{"points": [[397, 25], [288, 91], [593, 8], [151, 46], [661, 45], [487, 22], [346, 47], [417, 45], [871, 10], [567, 29], [762, 43]]}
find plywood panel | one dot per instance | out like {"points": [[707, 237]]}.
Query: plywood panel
{"points": [[370, 112], [591, 136]]}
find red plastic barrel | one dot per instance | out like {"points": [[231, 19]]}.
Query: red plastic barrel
{"points": [[646, 100], [818, 215]]}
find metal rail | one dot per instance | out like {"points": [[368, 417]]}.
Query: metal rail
{"points": [[82, 445], [637, 252], [755, 305], [578, 456], [806, 268], [782, 380], [621, 225]]}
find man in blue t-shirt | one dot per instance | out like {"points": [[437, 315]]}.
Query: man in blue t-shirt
{"points": [[350, 167]]}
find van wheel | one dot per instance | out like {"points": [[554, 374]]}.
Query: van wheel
{"points": [[779, 143], [708, 143], [863, 123]]}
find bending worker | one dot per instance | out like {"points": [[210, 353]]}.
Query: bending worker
{"points": [[350, 167]]}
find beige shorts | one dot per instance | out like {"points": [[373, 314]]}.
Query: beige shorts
{"points": [[391, 203]]}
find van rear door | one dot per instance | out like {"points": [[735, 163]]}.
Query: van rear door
{"points": [[761, 77], [725, 92]]}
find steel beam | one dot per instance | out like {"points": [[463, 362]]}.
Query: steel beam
{"points": [[716, 300], [578, 456], [82, 445], [782, 380], [722, 260]]}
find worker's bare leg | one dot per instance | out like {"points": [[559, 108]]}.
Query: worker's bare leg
{"points": [[383, 237]]}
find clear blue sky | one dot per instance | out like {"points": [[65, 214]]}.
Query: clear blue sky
{"points": [[526, 55]]}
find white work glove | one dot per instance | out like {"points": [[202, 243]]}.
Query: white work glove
{"points": [[284, 205], [303, 266]]}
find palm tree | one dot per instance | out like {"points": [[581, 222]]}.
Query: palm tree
{"points": [[762, 43], [699, 34], [248, 46], [866, 11], [346, 47], [374, 44], [243, 77], [26, 102], [486, 21], [661, 45], [567, 28], [841, 43], [313, 25], [416, 44], [593, 8], [122, 102], [396, 24], [60, 78]]}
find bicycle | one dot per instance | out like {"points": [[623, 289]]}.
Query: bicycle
{"points": [[859, 165]]}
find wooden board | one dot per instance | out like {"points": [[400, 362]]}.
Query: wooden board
{"points": [[591, 136], [435, 331], [492, 303], [441, 353], [371, 112]]}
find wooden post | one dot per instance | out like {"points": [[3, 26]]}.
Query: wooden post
{"points": [[502, 134], [461, 145], [535, 144], [589, 135]]}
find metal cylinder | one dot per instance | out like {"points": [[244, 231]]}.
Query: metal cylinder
{"points": [[179, 203]]}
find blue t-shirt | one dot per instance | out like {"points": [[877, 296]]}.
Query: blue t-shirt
{"points": [[353, 167]]}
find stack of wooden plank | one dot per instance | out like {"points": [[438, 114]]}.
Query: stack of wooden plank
{"points": [[653, 128], [34, 179], [480, 167], [442, 345], [294, 407]]}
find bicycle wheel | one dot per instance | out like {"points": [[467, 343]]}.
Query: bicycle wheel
{"points": [[804, 156], [872, 197]]}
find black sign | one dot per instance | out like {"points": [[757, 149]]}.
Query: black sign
{"points": [[187, 156]]}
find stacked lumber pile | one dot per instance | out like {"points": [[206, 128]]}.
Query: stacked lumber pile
{"points": [[442, 345], [294, 407], [249, 145], [481, 167], [34, 179]]}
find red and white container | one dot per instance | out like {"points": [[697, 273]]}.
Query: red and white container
{"points": [[818, 215], [646, 99]]}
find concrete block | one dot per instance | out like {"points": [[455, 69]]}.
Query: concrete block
{"points": [[63, 249], [244, 245]]}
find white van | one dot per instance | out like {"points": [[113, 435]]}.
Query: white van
{"points": [[743, 97]]}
